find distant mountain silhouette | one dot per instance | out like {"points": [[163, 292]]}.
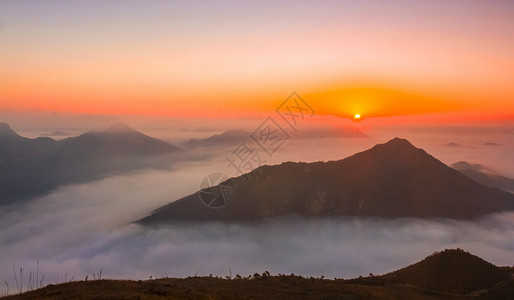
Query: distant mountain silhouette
{"points": [[31, 167], [330, 132], [234, 137], [119, 139], [453, 145], [55, 133], [15, 147], [453, 271], [227, 138], [6, 131], [390, 180], [485, 176], [491, 144]]}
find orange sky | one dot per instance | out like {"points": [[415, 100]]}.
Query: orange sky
{"points": [[378, 59]]}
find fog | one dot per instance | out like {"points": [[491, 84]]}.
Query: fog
{"points": [[78, 230], [81, 229]]}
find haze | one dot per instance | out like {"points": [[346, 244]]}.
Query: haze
{"points": [[80, 229], [204, 77]]}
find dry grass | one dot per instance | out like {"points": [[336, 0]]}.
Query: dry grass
{"points": [[451, 274], [269, 287]]}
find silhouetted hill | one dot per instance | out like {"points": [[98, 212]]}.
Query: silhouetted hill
{"points": [[236, 136], [118, 139], [390, 180], [453, 271], [6, 131], [15, 147], [485, 176], [55, 133], [227, 138], [451, 274], [32, 167]]}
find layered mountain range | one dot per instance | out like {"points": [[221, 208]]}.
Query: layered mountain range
{"points": [[390, 180], [31, 167], [485, 176]]}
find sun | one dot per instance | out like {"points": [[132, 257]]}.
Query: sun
{"points": [[357, 118]]}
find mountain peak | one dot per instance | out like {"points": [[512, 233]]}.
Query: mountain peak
{"points": [[399, 143], [452, 270], [119, 127], [397, 148], [391, 180], [6, 131]]}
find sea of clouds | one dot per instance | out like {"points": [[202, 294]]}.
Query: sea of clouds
{"points": [[79, 230]]}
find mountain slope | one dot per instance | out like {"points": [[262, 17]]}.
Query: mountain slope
{"points": [[130, 141], [90, 156], [15, 147], [390, 180], [485, 176], [453, 271], [226, 138], [117, 140]]}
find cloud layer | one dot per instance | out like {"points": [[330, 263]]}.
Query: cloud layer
{"points": [[82, 229]]}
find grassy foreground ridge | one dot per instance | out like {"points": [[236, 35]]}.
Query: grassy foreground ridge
{"points": [[450, 274]]}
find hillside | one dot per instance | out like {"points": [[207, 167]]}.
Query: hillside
{"points": [[485, 176], [226, 138], [32, 167], [453, 271], [15, 147], [390, 180], [465, 275]]}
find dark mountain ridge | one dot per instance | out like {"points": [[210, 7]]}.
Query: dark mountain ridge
{"points": [[32, 167], [455, 271], [390, 180], [226, 138], [485, 176], [15, 147], [6, 131], [117, 140]]}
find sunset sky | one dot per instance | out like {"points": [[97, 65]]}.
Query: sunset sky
{"points": [[199, 58]]}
